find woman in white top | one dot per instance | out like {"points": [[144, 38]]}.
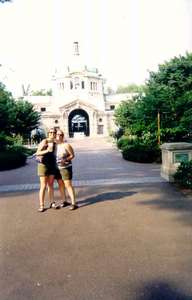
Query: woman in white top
{"points": [[64, 155]]}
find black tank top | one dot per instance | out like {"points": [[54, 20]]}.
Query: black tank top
{"points": [[49, 158]]}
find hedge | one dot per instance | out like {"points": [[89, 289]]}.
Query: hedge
{"points": [[141, 153], [139, 150], [183, 175], [12, 158]]}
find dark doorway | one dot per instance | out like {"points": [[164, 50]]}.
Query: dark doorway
{"points": [[78, 122]]}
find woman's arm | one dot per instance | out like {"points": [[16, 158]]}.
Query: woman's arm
{"points": [[41, 148], [70, 152]]}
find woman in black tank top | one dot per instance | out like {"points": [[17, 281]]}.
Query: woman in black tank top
{"points": [[47, 169]]}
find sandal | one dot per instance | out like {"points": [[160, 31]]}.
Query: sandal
{"points": [[53, 205], [73, 207], [41, 209], [64, 204]]}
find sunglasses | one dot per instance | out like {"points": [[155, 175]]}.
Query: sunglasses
{"points": [[52, 132], [60, 134]]}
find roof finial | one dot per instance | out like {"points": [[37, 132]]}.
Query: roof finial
{"points": [[76, 48]]}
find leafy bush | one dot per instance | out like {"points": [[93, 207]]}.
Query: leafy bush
{"points": [[183, 175], [5, 141], [29, 151], [12, 158], [141, 153], [22, 149], [123, 142], [142, 149]]}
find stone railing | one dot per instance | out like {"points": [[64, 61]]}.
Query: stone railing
{"points": [[172, 155]]}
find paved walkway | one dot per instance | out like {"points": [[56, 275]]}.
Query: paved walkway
{"points": [[125, 242], [97, 162]]}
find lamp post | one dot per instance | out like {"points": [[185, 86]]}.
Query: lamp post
{"points": [[158, 128]]}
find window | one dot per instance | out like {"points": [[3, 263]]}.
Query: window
{"points": [[43, 109], [71, 85], [100, 119], [76, 82], [93, 85], [61, 85], [100, 129], [82, 84], [112, 107], [56, 121]]}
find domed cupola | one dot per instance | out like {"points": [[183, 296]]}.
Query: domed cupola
{"points": [[76, 66]]}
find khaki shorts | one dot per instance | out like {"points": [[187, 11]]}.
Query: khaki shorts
{"points": [[45, 170], [67, 173]]}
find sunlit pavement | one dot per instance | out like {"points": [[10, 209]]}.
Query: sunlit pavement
{"points": [[97, 161], [128, 241]]}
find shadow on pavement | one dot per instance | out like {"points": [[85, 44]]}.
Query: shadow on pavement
{"points": [[18, 194], [105, 197], [162, 291], [182, 205]]}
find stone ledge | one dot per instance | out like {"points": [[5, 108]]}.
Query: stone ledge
{"points": [[176, 146], [81, 183]]}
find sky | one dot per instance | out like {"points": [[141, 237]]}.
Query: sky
{"points": [[124, 39]]}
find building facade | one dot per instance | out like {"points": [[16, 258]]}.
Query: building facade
{"points": [[79, 104]]}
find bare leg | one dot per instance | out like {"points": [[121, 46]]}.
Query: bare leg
{"points": [[61, 189], [50, 188], [70, 190], [43, 184]]}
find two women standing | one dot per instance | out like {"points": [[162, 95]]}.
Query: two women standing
{"points": [[54, 162]]}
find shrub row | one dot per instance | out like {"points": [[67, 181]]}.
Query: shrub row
{"points": [[183, 175], [12, 158], [141, 153], [5, 141], [139, 150]]}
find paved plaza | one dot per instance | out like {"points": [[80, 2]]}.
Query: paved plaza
{"points": [[129, 240], [97, 161]]}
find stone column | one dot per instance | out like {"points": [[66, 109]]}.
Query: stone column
{"points": [[65, 124], [172, 155], [92, 122]]}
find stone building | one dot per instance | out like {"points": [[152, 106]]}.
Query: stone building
{"points": [[79, 104]]}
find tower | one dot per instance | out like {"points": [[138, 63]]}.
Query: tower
{"points": [[76, 48]]}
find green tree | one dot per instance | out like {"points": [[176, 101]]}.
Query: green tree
{"points": [[130, 88], [110, 91], [124, 114], [42, 92], [7, 110], [168, 92], [27, 118], [49, 92], [16, 117]]}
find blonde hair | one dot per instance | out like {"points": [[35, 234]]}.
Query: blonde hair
{"points": [[61, 131], [52, 129]]}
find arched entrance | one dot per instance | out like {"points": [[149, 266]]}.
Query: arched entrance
{"points": [[78, 122]]}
